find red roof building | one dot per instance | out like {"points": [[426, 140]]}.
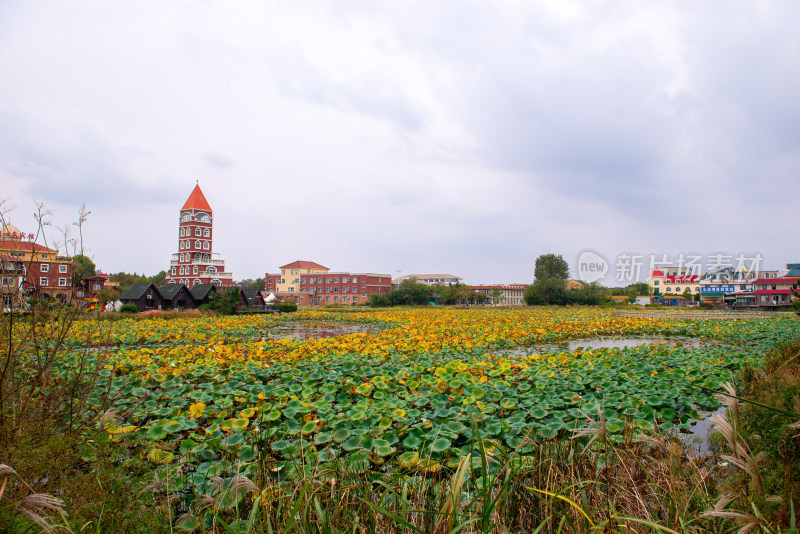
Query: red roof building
{"points": [[196, 262], [30, 267]]}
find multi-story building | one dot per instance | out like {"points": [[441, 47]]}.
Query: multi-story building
{"points": [[310, 283], [429, 279], [345, 288], [196, 262], [506, 294], [673, 281], [774, 292], [33, 267], [288, 281]]}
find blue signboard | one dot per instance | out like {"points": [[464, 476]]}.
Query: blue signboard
{"points": [[718, 289]]}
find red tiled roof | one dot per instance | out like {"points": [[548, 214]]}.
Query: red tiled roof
{"points": [[775, 281], [690, 279], [657, 272], [302, 264], [773, 292], [24, 245], [196, 201], [498, 286]]}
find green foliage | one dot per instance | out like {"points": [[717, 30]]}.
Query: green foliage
{"points": [[551, 267], [410, 293], [378, 300], [82, 267], [287, 308], [128, 307], [540, 294], [258, 283], [126, 280], [223, 301]]}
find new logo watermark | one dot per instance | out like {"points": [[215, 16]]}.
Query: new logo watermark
{"points": [[591, 266], [631, 267]]}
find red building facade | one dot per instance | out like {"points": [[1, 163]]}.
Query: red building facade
{"points": [[195, 262]]}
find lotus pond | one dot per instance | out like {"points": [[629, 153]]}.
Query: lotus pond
{"points": [[215, 396]]}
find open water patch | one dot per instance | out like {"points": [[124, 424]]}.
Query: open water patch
{"points": [[608, 343], [302, 331]]}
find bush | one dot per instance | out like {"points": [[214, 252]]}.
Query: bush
{"points": [[128, 307], [378, 300], [224, 302], [287, 308]]}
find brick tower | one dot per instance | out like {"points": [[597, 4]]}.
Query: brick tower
{"points": [[195, 262]]}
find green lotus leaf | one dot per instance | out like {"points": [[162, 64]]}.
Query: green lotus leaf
{"points": [[280, 445], [412, 442], [248, 453], [156, 432], [538, 413], [340, 434], [385, 423], [440, 445], [274, 415], [233, 440], [322, 437], [384, 450], [187, 445], [353, 442], [309, 427]]}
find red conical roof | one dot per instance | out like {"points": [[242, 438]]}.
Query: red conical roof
{"points": [[196, 201]]}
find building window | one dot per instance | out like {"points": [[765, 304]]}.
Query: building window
{"points": [[186, 216], [363, 284], [211, 270], [173, 271], [677, 289], [335, 279], [62, 282], [45, 267], [345, 280], [181, 245], [206, 233], [183, 233], [197, 245], [43, 281], [62, 268], [206, 245], [198, 232], [195, 269], [346, 290], [181, 270], [363, 293], [355, 280], [203, 218]]}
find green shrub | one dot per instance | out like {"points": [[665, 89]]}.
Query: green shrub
{"points": [[287, 308], [128, 307]]}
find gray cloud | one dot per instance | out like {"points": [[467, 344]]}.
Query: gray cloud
{"points": [[414, 136]]}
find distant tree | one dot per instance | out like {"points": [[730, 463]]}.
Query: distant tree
{"points": [[496, 295], [224, 302], [126, 280], [550, 279], [551, 267], [258, 283], [82, 268], [159, 278], [378, 300], [410, 293]]}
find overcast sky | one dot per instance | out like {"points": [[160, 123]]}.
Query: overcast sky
{"points": [[464, 137]]}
